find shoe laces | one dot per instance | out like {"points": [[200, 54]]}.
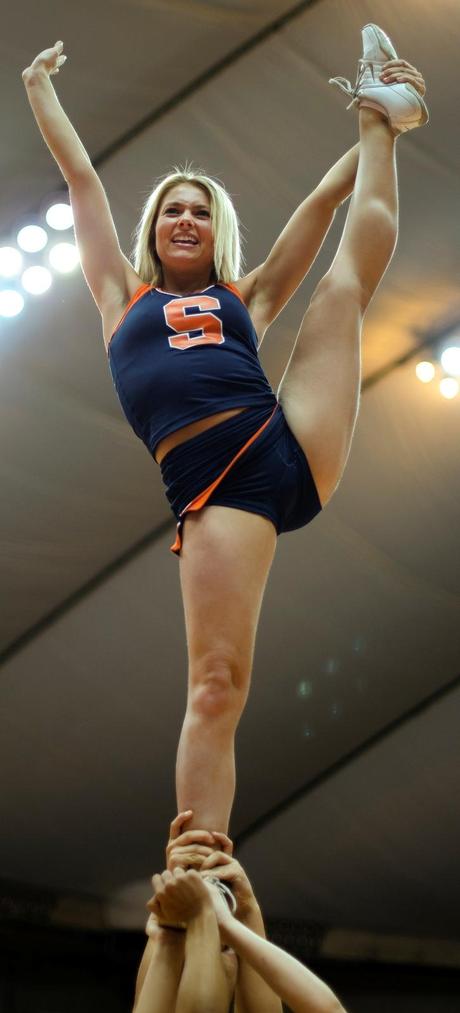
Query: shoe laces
{"points": [[345, 85]]}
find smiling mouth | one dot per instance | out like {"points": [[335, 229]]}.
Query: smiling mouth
{"points": [[185, 242]]}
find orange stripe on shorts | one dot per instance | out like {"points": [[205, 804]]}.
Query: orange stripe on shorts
{"points": [[199, 501]]}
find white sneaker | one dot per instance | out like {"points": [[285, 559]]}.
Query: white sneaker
{"points": [[400, 103]]}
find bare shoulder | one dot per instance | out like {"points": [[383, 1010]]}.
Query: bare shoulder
{"points": [[117, 298]]}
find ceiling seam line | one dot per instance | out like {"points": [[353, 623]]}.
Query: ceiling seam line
{"points": [[343, 761], [426, 340], [207, 75], [109, 570]]}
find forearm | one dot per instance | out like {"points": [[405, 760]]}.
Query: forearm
{"points": [[339, 181], [203, 984], [252, 992], [298, 987], [159, 974], [55, 126]]}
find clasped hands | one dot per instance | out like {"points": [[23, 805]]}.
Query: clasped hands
{"points": [[184, 892]]}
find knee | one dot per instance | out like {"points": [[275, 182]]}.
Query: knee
{"points": [[339, 283], [343, 289], [217, 689]]}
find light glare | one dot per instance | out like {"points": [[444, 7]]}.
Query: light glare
{"points": [[448, 387], [64, 257], [36, 280], [11, 303], [425, 371], [450, 360], [59, 216], [10, 261], [32, 238]]}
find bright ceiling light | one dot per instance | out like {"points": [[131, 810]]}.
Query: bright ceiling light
{"points": [[425, 371], [64, 257], [448, 387], [10, 261], [32, 238], [11, 303], [36, 280], [450, 360], [59, 216]]}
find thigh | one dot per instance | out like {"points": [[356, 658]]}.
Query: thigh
{"points": [[319, 391], [224, 565]]}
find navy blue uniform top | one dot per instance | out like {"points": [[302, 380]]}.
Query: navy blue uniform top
{"points": [[176, 359]]}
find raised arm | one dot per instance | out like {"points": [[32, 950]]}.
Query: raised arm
{"points": [[298, 987], [253, 994], [270, 286], [183, 897], [109, 274]]}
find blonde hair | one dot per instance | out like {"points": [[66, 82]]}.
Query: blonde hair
{"points": [[225, 227]]}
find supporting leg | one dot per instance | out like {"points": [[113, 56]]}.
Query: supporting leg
{"points": [[224, 566]]}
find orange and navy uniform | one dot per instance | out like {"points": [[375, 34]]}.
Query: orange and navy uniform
{"points": [[176, 359]]}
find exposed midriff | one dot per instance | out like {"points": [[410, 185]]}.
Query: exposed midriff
{"points": [[186, 432]]}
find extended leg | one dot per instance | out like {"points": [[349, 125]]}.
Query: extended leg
{"points": [[320, 388]]}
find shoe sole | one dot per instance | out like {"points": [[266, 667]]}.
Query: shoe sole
{"points": [[420, 122]]}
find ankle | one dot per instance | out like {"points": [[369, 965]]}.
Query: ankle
{"points": [[372, 120]]}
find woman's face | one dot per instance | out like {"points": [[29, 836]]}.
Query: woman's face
{"points": [[183, 231]]}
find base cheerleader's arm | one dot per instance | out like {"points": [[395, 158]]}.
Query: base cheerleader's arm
{"points": [[295, 985], [253, 994]]}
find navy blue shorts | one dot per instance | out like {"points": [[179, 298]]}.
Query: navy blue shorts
{"points": [[252, 462]]}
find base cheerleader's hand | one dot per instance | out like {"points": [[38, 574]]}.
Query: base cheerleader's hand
{"points": [[49, 61], [187, 849], [179, 896], [223, 866]]}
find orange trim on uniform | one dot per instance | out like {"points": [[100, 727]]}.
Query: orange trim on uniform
{"points": [[137, 295], [232, 288], [202, 498]]}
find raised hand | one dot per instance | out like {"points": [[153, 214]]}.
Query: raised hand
{"points": [[400, 72], [222, 865], [50, 60], [179, 896], [188, 849]]}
